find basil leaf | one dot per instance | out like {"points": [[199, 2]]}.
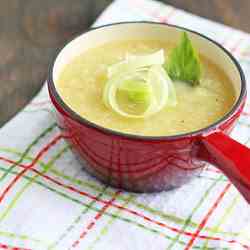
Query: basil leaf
{"points": [[184, 63]]}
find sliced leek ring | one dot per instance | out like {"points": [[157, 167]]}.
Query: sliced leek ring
{"points": [[152, 81]]}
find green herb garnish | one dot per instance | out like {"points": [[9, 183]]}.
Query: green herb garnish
{"points": [[184, 63]]}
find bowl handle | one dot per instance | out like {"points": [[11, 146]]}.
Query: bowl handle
{"points": [[232, 158]]}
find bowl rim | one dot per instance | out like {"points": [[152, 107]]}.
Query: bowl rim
{"points": [[206, 130]]}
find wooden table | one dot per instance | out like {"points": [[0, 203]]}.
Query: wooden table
{"points": [[30, 31]]}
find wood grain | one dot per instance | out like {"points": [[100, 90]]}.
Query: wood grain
{"points": [[30, 32]]}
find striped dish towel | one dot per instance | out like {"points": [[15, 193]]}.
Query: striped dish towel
{"points": [[48, 202]]}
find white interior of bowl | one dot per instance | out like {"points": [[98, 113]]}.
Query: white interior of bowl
{"points": [[145, 31]]}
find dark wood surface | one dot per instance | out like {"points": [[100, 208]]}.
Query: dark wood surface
{"points": [[31, 30]]}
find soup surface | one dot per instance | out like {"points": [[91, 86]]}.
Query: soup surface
{"points": [[82, 81]]}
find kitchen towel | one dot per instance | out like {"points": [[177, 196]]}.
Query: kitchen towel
{"points": [[48, 202]]}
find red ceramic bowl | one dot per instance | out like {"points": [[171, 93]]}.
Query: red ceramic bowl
{"points": [[143, 163]]}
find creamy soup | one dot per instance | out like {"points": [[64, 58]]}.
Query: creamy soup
{"points": [[82, 81]]}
